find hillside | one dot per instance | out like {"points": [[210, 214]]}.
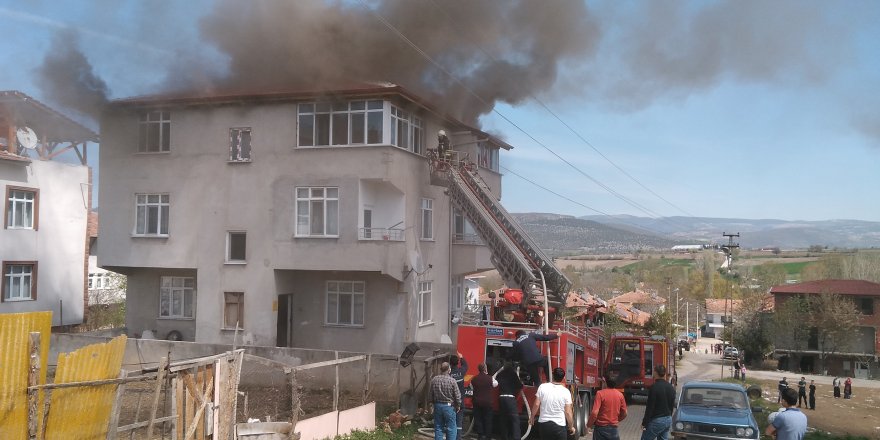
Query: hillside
{"points": [[561, 234]]}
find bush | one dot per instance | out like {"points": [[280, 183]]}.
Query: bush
{"points": [[406, 432]]}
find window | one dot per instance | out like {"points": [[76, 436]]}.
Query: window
{"points": [[317, 212], [457, 293], [341, 123], [240, 144], [407, 131], [463, 231], [154, 134], [177, 297], [21, 208], [487, 157], [345, 303], [19, 281], [99, 280], [236, 247], [427, 219], [233, 310], [152, 214], [866, 306], [425, 288]]}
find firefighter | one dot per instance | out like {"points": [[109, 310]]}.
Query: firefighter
{"points": [[459, 370], [509, 386], [525, 350]]}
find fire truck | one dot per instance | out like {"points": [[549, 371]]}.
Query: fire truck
{"points": [[535, 296], [631, 359]]}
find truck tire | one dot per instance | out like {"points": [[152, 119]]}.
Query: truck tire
{"points": [[579, 424], [754, 392], [586, 406]]}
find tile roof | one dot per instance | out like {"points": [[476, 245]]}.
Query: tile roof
{"points": [[717, 306], [4, 155], [840, 287], [638, 297]]}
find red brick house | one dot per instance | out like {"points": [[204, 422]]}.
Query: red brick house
{"points": [[860, 360]]}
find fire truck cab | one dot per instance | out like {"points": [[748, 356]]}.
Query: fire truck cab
{"points": [[631, 360]]}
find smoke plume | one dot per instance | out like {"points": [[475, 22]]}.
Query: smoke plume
{"points": [[67, 77]]}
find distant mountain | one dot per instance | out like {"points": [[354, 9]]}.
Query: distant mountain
{"points": [[753, 233], [559, 234]]}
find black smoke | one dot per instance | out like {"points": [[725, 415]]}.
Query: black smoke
{"points": [[66, 76]]}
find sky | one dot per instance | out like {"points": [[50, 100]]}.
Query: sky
{"points": [[736, 109]]}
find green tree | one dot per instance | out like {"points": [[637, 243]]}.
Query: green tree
{"points": [[788, 323], [660, 323], [835, 320], [612, 324], [768, 275], [750, 330]]}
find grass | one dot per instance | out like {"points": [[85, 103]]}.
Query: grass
{"points": [[405, 432], [795, 268]]}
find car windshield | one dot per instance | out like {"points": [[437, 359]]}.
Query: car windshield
{"points": [[714, 397]]}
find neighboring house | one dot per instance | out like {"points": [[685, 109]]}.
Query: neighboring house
{"points": [[306, 219], [105, 287], [644, 301], [719, 312], [860, 359], [43, 243]]}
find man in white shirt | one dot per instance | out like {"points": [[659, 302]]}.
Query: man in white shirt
{"points": [[553, 408]]}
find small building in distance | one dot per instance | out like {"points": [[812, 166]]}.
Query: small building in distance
{"points": [[648, 302], [719, 313]]}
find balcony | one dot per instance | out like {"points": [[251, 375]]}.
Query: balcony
{"points": [[381, 234], [466, 238]]}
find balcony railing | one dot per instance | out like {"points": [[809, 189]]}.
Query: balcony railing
{"points": [[381, 234], [460, 238]]}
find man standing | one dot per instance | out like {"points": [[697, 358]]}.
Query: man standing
{"points": [[525, 350], [609, 409], [482, 384], [813, 395], [783, 385], [790, 424], [836, 384], [459, 370], [509, 386], [553, 408], [802, 391], [658, 409], [447, 402]]}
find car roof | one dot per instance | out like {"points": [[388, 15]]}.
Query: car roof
{"points": [[716, 385]]}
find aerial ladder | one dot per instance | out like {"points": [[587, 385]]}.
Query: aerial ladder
{"points": [[518, 259]]}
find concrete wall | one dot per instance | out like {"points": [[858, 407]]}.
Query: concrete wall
{"points": [[58, 245], [210, 196]]}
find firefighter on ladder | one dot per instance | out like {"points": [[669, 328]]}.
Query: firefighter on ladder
{"points": [[525, 350]]}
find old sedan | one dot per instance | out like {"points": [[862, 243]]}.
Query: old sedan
{"points": [[714, 410]]}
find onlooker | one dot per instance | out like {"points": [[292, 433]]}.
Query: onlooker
{"points": [[509, 386], [609, 409], [742, 372], [553, 408], [658, 409], [447, 402], [459, 370], [736, 367], [847, 388], [482, 385], [790, 424], [836, 384], [802, 391], [526, 351], [813, 395], [783, 385]]}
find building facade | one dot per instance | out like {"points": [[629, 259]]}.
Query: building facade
{"points": [[859, 359], [43, 242], [302, 219], [719, 313]]}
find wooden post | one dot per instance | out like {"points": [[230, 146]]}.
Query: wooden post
{"points": [[112, 432], [366, 381], [336, 384], [295, 405], [160, 377], [33, 375]]}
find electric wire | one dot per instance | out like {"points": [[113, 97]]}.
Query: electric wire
{"points": [[470, 91]]}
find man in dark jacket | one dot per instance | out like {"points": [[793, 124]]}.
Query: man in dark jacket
{"points": [[526, 351], [459, 370], [509, 387], [658, 409], [802, 391], [482, 384]]}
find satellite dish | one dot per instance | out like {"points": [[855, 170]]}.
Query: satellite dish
{"points": [[27, 138]]}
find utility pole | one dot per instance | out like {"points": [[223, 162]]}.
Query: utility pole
{"points": [[728, 251]]}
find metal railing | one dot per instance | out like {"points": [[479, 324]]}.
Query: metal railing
{"points": [[381, 234], [462, 238]]}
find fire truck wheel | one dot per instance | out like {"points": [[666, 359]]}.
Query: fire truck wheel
{"points": [[584, 415]]}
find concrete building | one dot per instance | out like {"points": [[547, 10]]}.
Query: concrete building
{"points": [[105, 287], [719, 313], [305, 219], [43, 243], [860, 357]]}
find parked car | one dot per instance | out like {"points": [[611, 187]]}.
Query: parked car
{"points": [[730, 353], [714, 410]]}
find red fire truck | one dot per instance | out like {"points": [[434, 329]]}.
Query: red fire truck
{"points": [[630, 361]]}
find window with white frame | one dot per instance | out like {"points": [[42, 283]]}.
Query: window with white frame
{"points": [[236, 247], [456, 292], [427, 219], [240, 144], [407, 131], [99, 280], [21, 208], [233, 310], [154, 135], [340, 123], [151, 215], [487, 156], [345, 303], [317, 212], [177, 297], [19, 281], [463, 231], [425, 289]]}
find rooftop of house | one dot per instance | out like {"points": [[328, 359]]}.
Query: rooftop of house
{"points": [[638, 297], [839, 287], [18, 109], [722, 306], [362, 90]]}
